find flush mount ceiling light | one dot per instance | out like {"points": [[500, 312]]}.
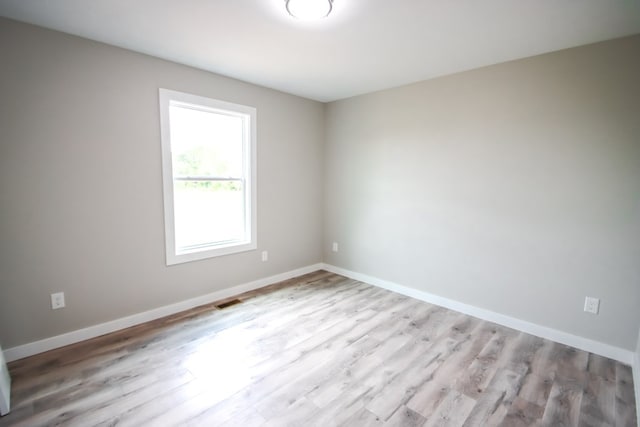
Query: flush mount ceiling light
{"points": [[309, 9]]}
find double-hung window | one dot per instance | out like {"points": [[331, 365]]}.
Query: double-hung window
{"points": [[208, 165]]}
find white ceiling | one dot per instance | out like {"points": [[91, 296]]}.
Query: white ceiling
{"points": [[363, 46]]}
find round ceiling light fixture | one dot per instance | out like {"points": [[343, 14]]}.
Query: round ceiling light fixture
{"points": [[309, 9]]}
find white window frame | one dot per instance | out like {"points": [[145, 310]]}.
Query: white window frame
{"points": [[168, 97]]}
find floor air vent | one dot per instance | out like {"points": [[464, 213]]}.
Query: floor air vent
{"points": [[228, 303]]}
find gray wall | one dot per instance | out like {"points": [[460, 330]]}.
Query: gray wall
{"points": [[515, 188], [81, 188]]}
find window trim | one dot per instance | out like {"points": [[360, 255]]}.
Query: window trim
{"points": [[166, 97]]}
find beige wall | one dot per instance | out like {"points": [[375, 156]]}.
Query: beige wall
{"points": [[81, 188], [514, 188]]}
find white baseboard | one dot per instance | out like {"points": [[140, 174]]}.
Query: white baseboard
{"points": [[72, 337], [606, 350], [616, 353], [5, 387]]}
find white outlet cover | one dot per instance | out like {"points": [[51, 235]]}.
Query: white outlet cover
{"points": [[265, 256], [591, 305], [57, 300], [334, 247]]}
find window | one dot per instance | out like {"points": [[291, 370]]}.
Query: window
{"points": [[208, 166]]}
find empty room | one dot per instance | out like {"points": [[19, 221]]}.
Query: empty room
{"points": [[319, 213]]}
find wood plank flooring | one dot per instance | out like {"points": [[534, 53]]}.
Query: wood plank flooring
{"points": [[320, 350]]}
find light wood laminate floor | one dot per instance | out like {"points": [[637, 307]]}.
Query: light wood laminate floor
{"points": [[320, 350]]}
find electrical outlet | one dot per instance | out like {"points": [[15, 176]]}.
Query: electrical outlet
{"points": [[334, 247], [57, 300], [591, 305], [265, 256]]}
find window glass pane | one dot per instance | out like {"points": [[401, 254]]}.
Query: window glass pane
{"points": [[209, 180], [205, 143], [208, 212]]}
